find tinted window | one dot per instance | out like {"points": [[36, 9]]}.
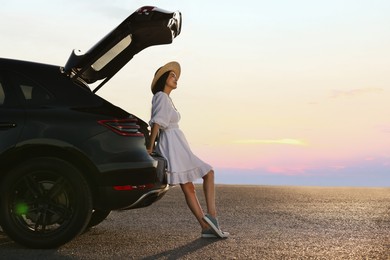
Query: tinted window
{"points": [[32, 92]]}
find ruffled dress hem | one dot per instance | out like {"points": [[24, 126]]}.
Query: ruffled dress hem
{"points": [[188, 176]]}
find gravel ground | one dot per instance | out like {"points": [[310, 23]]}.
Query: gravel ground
{"points": [[265, 222]]}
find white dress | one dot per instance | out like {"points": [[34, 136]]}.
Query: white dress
{"points": [[183, 165]]}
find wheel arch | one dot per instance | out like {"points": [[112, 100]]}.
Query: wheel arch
{"points": [[69, 154]]}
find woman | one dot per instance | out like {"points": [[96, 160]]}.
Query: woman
{"points": [[183, 166]]}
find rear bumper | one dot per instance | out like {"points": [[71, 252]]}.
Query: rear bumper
{"points": [[132, 185], [149, 198], [130, 199]]}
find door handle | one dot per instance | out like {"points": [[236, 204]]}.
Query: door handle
{"points": [[7, 125]]}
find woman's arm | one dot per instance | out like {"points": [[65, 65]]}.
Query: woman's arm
{"points": [[153, 136]]}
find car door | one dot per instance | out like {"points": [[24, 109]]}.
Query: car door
{"points": [[12, 115]]}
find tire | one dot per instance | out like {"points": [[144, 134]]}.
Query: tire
{"points": [[45, 202], [98, 216]]}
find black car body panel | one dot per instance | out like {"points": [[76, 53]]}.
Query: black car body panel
{"points": [[65, 152]]}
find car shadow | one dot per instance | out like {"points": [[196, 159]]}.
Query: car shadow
{"points": [[11, 250], [4, 240], [184, 250]]}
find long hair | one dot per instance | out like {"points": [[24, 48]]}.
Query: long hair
{"points": [[160, 84]]}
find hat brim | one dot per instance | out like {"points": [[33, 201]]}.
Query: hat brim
{"points": [[171, 66]]}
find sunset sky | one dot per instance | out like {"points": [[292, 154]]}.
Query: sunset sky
{"points": [[272, 92]]}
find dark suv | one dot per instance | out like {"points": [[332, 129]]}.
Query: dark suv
{"points": [[67, 156]]}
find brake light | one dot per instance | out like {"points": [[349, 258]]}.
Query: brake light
{"points": [[124, 127]]}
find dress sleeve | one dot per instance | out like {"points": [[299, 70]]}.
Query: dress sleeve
{"points": [[161, 108]]}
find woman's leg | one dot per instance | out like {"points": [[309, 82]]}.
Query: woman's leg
{"points": [[209, 193], [193, 203]]}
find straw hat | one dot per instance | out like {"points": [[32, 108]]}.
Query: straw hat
{"points": [[171, 66]]}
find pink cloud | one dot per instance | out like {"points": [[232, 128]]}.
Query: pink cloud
{"points": [[384, 128], [355, 92], [287, 170]]}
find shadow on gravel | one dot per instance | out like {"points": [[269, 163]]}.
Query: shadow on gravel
{"points": [[181, 251], [4, 240], [11, 250]]}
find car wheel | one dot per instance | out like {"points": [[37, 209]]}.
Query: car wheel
{"points": [[98, 216], [45, 202]]}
